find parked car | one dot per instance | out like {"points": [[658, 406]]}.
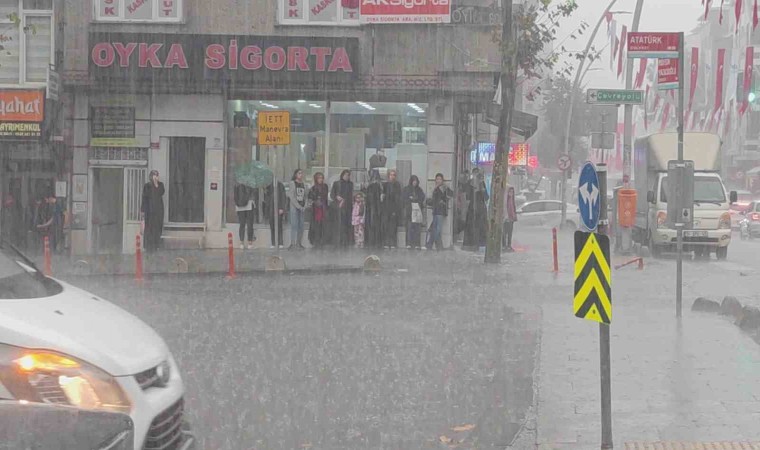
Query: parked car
{"points": [[547, 213], [749, 227], [65, 346]]}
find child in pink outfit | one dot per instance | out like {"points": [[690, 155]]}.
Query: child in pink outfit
{"points": [[357, 220]]}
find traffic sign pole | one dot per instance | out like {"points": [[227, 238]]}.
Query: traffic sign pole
{"points": [[679, 227], [605, 370]]}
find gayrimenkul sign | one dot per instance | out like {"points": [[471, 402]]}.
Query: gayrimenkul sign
{"points": [[244, 61]]}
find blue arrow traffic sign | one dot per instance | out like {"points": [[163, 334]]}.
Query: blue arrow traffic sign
{"points": [[589, 197]]}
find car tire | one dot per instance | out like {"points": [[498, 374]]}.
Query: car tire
{"points": [[721, 253]]}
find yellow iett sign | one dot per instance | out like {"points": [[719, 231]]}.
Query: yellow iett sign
{"points": [[274, 127], [593, 278]]}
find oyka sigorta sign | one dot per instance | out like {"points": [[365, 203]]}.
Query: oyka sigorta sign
{"points": [[179, 59]]}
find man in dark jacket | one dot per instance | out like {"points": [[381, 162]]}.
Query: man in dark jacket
{"points": [[440, 204], [278, 209]]}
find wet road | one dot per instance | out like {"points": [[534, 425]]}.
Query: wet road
{"points": [[404, 360]]}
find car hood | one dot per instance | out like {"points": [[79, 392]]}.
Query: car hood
{"points": [[83, 325]]}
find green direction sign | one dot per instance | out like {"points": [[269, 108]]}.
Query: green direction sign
{"points": [[615, 97]]}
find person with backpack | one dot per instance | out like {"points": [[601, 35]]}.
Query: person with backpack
{"points": [[245, 207]]}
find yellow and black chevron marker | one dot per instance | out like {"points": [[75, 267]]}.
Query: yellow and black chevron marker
{"points": [[593, 279]]}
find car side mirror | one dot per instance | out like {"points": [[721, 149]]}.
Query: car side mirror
{"points": [[650, 196], [733, 196]]}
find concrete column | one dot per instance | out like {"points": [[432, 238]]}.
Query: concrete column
{"points": [[441, 138]]}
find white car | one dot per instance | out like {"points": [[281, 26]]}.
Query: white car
{"points": [[62, 345], [547, 213]]}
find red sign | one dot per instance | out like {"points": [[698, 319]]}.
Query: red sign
{"points": [[518, 154], [405, 11], [667, 74], [652, 45]]}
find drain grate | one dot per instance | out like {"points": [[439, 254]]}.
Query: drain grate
{"points": [[725, 445]]}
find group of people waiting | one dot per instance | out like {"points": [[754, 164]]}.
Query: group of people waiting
{"points": [[370, 218]]}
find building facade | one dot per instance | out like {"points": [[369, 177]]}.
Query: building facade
{"points": [[177, 86]]}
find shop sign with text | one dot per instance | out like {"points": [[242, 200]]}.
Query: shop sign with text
{"points": [[21, 114], [667, 74], [318, 12], [178, 60], [405, 11]]}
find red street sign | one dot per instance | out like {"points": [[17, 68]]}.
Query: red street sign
{"points": [[667, 74], [652, 45]]}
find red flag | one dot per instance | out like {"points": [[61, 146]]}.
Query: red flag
{"points": [[755, 18], [738, 13], [642, 73], [707, 7], [623, 36], [719, 79], [750, 55], [720, 18], [694, 75]]}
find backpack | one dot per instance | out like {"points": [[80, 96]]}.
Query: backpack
{"points": [[242, 195]]}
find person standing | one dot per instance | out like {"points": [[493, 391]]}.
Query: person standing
{"points": [[152, 211], [245, 206], [373, 225], [510, 217], [391, 209], [440, 204], [278, 209], [318, 196], [414, 202], [342, 192], [477, 220], [297, 197], [357, 219]]}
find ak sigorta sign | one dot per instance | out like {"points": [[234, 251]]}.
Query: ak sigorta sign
{"points": [[22, 112], [193, 61]]}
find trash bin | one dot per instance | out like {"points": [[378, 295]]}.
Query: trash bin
{"points": [[626, 216]]}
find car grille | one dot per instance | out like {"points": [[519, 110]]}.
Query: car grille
{"points": [[148, 378], [165, 432]]}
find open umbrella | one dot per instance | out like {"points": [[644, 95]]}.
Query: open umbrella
{"points": [[254, 174]]}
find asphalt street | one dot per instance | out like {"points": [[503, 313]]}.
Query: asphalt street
{"points": [[440, 352]]}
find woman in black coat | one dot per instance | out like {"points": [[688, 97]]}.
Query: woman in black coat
{"points": [[318, 196], [152, 211], [476, 225], [373, 224], [342, 194], [392, 209], [413, 195]]}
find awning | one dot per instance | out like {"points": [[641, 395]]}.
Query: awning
{"points": [[523, 124]]}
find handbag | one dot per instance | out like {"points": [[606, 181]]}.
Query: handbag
{"points": [[416, 213]]}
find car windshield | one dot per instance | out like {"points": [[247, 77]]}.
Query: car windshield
{"points": [[18, 281], [706, 190]]}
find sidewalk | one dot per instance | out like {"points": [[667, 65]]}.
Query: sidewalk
{"points": [[693, 382], [217, 261]]}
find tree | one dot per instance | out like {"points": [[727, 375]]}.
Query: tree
{"points": [[523, 37]]}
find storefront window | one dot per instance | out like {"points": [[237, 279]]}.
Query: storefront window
{"points": [[358, 130]]}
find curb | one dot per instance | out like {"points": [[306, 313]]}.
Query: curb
{"points": [[746, 317]]}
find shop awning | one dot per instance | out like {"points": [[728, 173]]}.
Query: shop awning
{"points": [[523, 124]]}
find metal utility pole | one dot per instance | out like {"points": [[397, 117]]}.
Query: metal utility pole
{"points": [[679, 227], [628, 126], [569, 119], [500, 163], [604, 329]]}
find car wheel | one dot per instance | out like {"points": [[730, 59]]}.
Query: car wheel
{"points": [[721, 253]]}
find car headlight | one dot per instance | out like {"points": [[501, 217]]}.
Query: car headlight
{"points": [[725, 221], [48, 377]]}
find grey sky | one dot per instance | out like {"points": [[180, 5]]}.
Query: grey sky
{"points": [[657, 15]]}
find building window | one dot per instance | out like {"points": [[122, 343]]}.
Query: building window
{"points": [[318, 12], [26, 41], [155, 11]]}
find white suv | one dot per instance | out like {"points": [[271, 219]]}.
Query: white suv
{"points": [[62, 345]]}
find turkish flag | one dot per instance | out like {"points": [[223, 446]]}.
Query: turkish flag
{"points": [[623, 37], [719, 79], [738, 13], [750, 56], [694, 75], [755, 18], [642, 73], [707, 7]]}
